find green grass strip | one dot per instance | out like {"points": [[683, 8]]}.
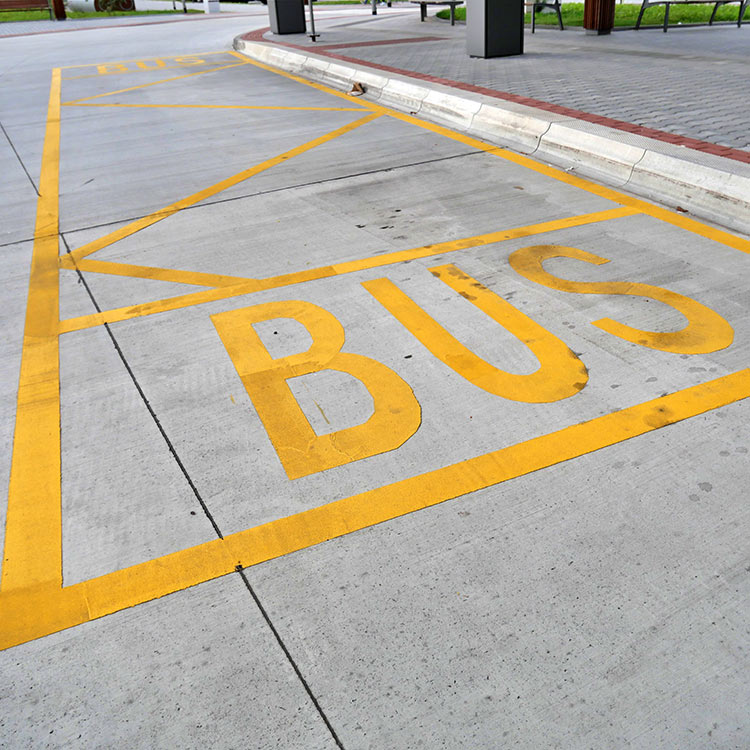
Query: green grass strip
{"points": [[43, 15], [627, 15]]}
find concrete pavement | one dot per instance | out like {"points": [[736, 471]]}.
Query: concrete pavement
{"points": [[310, 450]]}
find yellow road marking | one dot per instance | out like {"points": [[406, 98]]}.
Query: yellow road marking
{"points": [[396, 414], [32, 614], [706, 331], [128, 72], [657, 212], [194, 278], [32, 600], [153, 83], [560, 374], [247, 286], [185, 61], [142, 59], [33, 534], [214, 106], [228, 182]]}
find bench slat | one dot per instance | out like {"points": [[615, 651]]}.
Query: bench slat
{"points": [[23, 5], [744, 4]]}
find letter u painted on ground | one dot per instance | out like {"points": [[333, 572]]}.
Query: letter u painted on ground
{"points": [[560, 374], [706, 331], [396, 415]]}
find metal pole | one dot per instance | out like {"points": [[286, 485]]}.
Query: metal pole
{"points": [[312, 33]]}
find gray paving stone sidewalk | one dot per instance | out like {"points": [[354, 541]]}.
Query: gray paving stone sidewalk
{"points": [[686, 82]]}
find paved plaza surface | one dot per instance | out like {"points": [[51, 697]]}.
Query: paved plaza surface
{"points": [[685, 82], [324, 426]]}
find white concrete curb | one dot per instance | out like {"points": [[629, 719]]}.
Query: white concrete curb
{"points": [[634, 162]]}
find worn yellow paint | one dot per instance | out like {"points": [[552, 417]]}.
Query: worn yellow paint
{"points": [[111, 69], [396, 413], [247, 286], [641, 206], [560, 374], [224, 184], [185, 61], [706, 331], [213, 106], [153, 83], [159, 63], [31, 614], [33, 533], [141, 59]]}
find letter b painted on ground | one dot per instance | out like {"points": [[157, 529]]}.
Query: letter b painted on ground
{"points": [[396, 414]]}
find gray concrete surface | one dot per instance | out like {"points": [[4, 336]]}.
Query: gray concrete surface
{"points": [[600, 601], [167, 674]]}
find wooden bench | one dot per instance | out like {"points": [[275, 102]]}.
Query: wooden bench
{"points": [[424, 3], [18, 5], [744, 4], [538, 6]]}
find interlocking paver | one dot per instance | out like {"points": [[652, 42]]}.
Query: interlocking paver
{"points": [[679, 82]]}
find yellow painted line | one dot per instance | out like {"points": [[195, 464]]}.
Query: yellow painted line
{"points": [[179, 66], [146, 59], [482, 239], [248, 286], [191, 200], [194, 278], [128, 72], [214, 106], [657, 212], [33, 614], [33, 529], [153, 83]]}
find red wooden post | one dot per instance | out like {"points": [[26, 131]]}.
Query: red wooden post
{"points": [[59, 10], [598, 16]]}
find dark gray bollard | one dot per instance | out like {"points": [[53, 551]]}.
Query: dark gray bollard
{"points": [[494, 28], [286, 16]]}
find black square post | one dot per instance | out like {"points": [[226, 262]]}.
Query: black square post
{"points": [[494, 28]]}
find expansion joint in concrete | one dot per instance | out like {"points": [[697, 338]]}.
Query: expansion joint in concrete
{"points": [[290, 658], [20, 160], [145, 400]]}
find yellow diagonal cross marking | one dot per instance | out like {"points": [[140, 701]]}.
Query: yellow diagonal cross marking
{"points": [[153, 83], [191, 200], [246, 286], [194, 278], [642, 206]]}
